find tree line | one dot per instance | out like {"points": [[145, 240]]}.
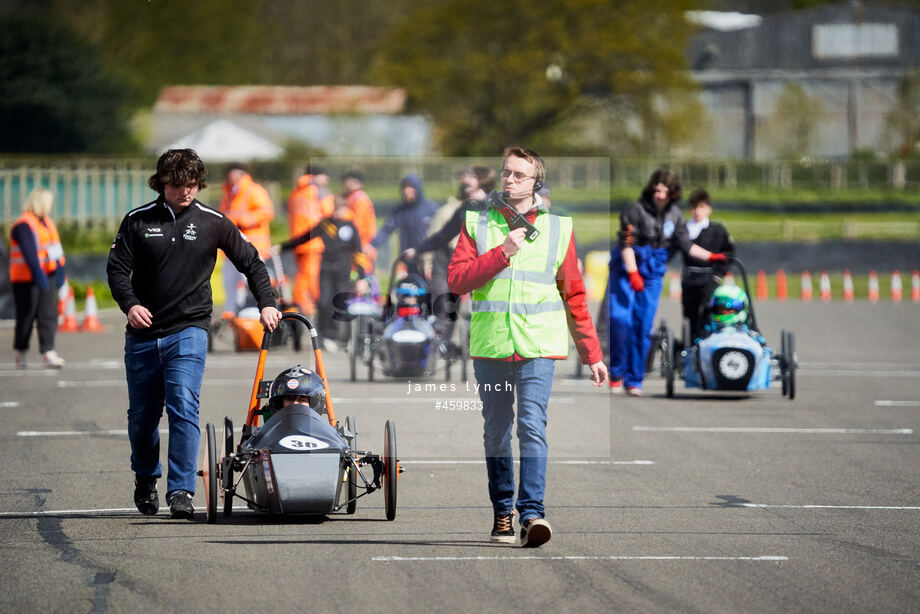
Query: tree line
{"points": [[74, 77]]}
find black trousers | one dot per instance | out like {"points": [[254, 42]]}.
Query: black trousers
{"points": [[444, 302], [35, 305], [693, 297], [334, 289]]}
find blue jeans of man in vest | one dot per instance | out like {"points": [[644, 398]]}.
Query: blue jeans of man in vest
{"points": [[165, 372], [498, 382], [632, 314]]}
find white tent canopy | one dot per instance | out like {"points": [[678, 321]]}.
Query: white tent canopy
{"points": [[224, 141]]}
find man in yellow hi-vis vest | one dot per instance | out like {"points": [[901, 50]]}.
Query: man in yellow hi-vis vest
{"points": [[519, 262]]}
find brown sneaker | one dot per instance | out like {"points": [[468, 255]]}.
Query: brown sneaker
{"points": [[535, 532]]}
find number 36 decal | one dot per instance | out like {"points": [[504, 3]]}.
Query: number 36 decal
{"points": [[303, 442]]}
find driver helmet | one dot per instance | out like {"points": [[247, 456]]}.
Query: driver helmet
{"points": [[410, 291], [729, 306], [297, 382]]}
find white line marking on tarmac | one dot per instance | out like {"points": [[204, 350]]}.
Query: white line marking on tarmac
{"points": [[404, 399], [97, 512], [897, 403], [858, 373], [9, 404], [558, 462], [835, 507], [402, 559], [729, 429], [852, 365], [408, 399], [116, 383], [118, 432]]}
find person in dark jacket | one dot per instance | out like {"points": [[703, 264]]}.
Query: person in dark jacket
{"points": [[411, 218], [36, 273], [475, 184], [652, 229], [159, 270], [697, 281], [342, 256]]}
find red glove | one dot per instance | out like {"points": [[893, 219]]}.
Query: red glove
{"points": [[635, 280], [713, 257]]}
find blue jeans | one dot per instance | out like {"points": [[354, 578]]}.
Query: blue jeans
{"points": [[498, 381], [632, 316], [165, 371]]}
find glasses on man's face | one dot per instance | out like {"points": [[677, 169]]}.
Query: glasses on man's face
{"points": [[518, 175]]}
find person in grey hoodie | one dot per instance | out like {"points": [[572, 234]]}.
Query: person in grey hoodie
{"points": [[411, 218]]}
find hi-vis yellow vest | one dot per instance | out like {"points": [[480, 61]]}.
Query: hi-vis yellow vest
{"points": [[520, 309]]}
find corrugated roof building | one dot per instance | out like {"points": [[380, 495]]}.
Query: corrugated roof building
{"points": [[339, 120], [851, 57]]}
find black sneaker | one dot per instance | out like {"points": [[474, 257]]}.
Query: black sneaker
{"points": [[145, 495], [180, 505], [502, 529], [535, 532]]}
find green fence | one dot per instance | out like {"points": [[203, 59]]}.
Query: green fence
{"points": [[89, 193], [83, 194]]}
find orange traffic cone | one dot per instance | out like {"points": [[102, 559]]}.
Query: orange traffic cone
{"points": [[896, 288], [62, 301], [825, 286], [806, 287], [761, 285], [91, 319], [675, 287], [782, 292], [873, 287], [69, 325], [848, 294], [915, 286]]}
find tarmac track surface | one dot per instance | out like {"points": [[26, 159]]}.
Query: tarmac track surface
{"points": [[698, 503]]}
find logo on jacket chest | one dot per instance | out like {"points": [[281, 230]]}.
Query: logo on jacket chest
{"points": [[668, 229], [190, 234]]}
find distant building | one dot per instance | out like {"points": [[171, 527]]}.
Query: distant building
{"points": [[255, 122], [849, 56]]}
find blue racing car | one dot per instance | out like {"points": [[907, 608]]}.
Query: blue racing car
{"points": [[731, 354]]}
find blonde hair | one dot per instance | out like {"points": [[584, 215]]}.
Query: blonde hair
{"points": [[40, 202]]}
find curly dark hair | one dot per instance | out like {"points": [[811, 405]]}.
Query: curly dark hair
{"points": [[178, 167], [669, 179]]}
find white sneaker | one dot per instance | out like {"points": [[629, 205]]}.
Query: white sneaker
{"points": [[52, 360], [20, 360]]}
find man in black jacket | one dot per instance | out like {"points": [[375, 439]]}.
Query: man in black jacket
{"points": [[697, 281], [159, 270]]}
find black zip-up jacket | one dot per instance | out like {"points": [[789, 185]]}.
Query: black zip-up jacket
{"points": [[715, 238], [642, 224], [164, 262], [341, 247]]}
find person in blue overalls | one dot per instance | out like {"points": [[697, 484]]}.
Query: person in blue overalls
{"points": [[652, 229]]}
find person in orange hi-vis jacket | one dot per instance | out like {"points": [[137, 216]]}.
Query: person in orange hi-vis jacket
{"points": [[309, 202], [363, 215], [246, 204]]}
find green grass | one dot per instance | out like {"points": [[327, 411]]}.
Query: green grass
{"points": [[751, 227]]}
